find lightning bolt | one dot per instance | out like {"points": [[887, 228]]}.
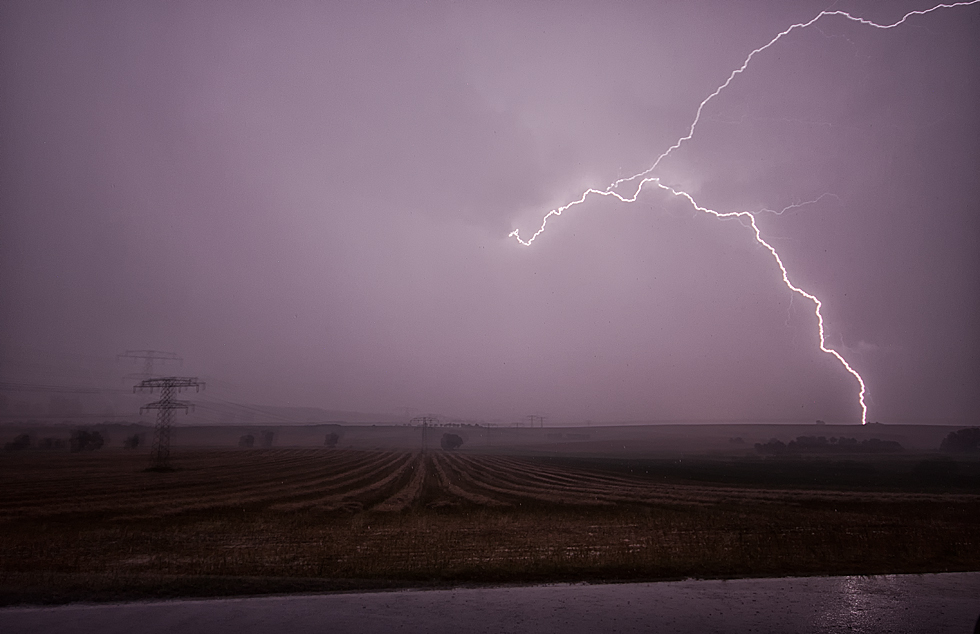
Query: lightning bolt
{"points": [[780, 212], [644, 178]]}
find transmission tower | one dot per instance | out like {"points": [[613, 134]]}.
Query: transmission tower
{"points": [[168, 386], [148, 356], [534, 419], [425, 421]]}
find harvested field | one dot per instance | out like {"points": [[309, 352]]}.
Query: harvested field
{"points": [[99, 526]]}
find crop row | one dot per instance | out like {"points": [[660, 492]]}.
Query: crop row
{"points": [[117, 485]]}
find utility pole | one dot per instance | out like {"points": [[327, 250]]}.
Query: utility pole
{"points": [[148, 356], [425, 421], [168, 386]]}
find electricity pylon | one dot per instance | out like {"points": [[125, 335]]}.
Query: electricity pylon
{"points": [[148, 356], [425, 421], [168, 386], [533, 418]]}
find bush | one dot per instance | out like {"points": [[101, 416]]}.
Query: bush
{"points": [[332, 439], [964, 441], [132, 442], [450, 442], [20, 442], [83, 440]]}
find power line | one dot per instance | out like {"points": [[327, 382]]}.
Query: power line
{"points": [[249, 408], [6, 386]]}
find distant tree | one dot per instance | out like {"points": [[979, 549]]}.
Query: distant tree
{"points": [[820, 444], [132, 442], [450, 442], [773, 447], [807, 444], [267, 438], [962, 441], [83, 440], [247, 441], [876, 445], [20, 442], [332, 439], [51, 443]]}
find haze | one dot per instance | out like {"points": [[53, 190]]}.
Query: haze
{"points": [[310, 202]]}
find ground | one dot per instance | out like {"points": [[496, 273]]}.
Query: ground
{"points": [[98, 526]]}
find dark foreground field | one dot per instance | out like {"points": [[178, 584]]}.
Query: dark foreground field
{"points": [[97, 526]]}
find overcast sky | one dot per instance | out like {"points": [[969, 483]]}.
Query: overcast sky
{"points": [[311, 201]]}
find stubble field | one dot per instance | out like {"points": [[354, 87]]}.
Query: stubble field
{"points": [[98, 526]]}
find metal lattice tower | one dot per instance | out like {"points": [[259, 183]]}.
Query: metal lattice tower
{"points": [[148, 356], [533, 418], [168, 386], [425, 421]]}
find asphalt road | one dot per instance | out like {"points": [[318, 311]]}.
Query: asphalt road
{"points": [[894, 603]]}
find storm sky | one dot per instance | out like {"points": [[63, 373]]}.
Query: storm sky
{"points": [[311, 202]]}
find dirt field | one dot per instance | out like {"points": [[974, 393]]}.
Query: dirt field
{"points": [[98, 526]]}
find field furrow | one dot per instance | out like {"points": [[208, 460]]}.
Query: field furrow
{"points": [[521, 477], [277, 493], [227, 472], [494, 486], [439, 462], [354, 494], [199, 489], [407, 496], [115, 486]]}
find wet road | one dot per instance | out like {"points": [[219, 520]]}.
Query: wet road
{"points": [[893, 603]]}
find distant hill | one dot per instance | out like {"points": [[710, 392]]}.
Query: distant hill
{"points": [[265, 414], [209, 411]]}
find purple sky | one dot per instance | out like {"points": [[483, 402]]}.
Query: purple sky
{"points": [[310, 202]]}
